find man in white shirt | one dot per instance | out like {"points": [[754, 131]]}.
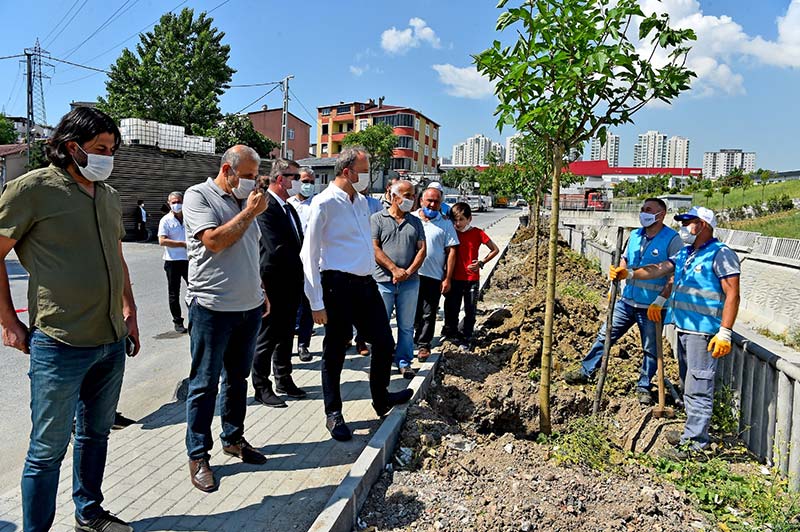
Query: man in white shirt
{"points": [[338, 261], [301, 202], [172, 235]]}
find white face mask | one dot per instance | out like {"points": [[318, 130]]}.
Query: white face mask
{"points": [[244, 189], [98, 167], [406, 204], [363, 182], [297, 188], [686, 235], [307, 189], [647, 219], [176, 207], [466, 228]]}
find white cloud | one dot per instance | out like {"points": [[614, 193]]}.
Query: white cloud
{"points": [[464, 82], [358, 71], [398, 42], [722, 44]]}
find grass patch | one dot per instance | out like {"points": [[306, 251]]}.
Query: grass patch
{"points": [[750, 196], [740, 502], [790, 338], [782, 224], [585, 443], [579, 291]]}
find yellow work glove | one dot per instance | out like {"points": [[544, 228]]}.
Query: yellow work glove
{"points": [[720, 345], [618, 273], [655, 308]]}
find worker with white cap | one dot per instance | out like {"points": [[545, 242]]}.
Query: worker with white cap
{"points": [[703, 307]]}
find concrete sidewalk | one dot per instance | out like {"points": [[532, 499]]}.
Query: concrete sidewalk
{"points": [[147, 480]]}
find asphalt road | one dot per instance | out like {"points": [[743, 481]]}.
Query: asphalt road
{"points": [[150, 378]]}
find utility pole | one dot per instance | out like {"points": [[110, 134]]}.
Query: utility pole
{"points": [[29, 117], [285, 114], [36, 109]]}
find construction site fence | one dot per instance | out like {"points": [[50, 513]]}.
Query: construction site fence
{"points": [[752, 242], [765, 386]]}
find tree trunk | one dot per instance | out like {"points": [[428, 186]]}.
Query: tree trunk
{"points": [[536, 235], [547, 347]]}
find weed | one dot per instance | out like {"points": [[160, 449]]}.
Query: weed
{"points": [[579, 291], [742, 502], [791, 338], [725, 417], [585, 443], [535, 374]]}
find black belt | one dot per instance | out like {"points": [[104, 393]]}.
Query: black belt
{"points": [[331, 275]]}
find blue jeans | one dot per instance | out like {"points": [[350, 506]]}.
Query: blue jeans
{"points": [[81, 383], [222, 345], [402, 298], [625, 316], [697, 369]]}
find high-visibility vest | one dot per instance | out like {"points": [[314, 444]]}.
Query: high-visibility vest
{"points": [[642, 252], [697, 297]]}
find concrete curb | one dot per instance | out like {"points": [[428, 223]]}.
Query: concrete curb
{"points": [[341, 510]]}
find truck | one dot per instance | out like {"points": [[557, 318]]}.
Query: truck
{"points": [[590, 200]]}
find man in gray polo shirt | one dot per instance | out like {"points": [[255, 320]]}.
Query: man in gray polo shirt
{"points": [[399, 242], [226, 303]]}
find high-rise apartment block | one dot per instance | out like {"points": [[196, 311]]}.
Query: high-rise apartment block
{"points": [[721, 163], [475, 150], [651, 150], [608, 151], [678, 152], [511, 148]]}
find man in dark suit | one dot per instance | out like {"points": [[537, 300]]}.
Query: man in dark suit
{"points": [[282, 275]]}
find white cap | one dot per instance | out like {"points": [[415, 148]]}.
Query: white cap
{"points": [[707, 215], [436, 185]]}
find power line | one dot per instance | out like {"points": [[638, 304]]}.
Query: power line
{"points": [[303, 106], [12, 56], [218, 6], [15, 85], [257, 99], [66, 24], [255, 85], [78, 65], [114, 16], [61, 20]]}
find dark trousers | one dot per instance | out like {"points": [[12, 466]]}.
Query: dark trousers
{"points": [[176, 270], [305, 323], [222, 345], [274, 344], [430, 292], [466, 291], [353, 300], [141, 231]]}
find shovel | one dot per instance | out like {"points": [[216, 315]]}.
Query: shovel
{"points": [[661, 410], [601, 376]]}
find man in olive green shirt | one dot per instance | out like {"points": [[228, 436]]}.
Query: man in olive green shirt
{"points": [[65, 225]]}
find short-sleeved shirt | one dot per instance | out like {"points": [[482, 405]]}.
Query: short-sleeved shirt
{"points": [[172, 228], [229, 280], [439, 235], [68, 241], [469, 243], [398, 240]]}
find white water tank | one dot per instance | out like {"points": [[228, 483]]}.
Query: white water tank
{"points": [[138, 131]]}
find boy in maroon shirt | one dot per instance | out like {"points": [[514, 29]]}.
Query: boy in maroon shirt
{"points": [[466, 276]]}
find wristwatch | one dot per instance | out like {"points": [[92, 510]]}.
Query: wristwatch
{"points": [[481, 264]]}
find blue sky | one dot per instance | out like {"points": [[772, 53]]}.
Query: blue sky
{"points": [[417, 53]]}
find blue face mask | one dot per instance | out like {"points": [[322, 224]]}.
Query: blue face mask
{"points": [[430, 213]]}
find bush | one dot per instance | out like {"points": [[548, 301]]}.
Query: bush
{"points": [[779, 203]]}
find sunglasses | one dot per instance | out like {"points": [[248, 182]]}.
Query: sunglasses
{"points": [[293, 176]]}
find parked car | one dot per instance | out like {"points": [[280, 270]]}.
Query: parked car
{"points": [[519, 203]]}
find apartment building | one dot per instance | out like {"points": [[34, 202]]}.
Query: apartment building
{"points": [[608, 151], [721, 163]]}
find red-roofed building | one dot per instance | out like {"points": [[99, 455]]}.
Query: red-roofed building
{"points": [[599, 175]]}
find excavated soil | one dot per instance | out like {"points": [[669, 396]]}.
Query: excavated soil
{"points": [[468, 457]]}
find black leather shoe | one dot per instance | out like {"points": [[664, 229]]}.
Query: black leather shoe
{"points": [[105, 522], [179, 328], [337, 427], [120, 421], [268, 398], [304, 354], [393, 399], [289, 388], [202, 476], [245, 452]]}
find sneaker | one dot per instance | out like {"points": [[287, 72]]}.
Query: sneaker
{"points": [[362, 348], [304, 354], [575, 376], [673, 437], [407, 372], [645, 397], [288, 387], [337, 427], [179, 328], [393, 399], [120, 421], [105, 522]]}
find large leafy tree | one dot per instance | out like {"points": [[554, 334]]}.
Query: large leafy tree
{"points": [[8, 135], [238, 129], [379, 140], [572, 71], [176, 75]]}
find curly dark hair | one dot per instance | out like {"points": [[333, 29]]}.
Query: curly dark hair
{"points": [[82, 124]]}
